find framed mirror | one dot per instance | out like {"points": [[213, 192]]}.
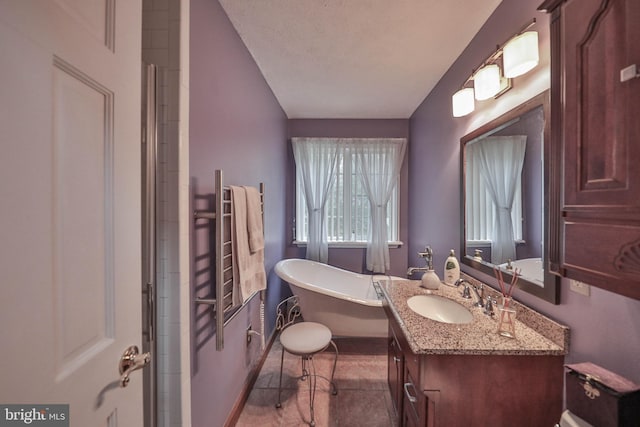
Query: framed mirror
{"points": [[504, 219]]}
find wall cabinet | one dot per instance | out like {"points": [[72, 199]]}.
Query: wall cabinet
{"points": [[595, 142], [466, 390]]}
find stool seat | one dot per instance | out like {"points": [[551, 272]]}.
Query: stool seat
{"points": [[305, 338]]}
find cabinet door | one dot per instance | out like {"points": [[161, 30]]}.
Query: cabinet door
{"points": [[600, 210], [395, 372], [419, 408], [413, 413], [409, 419]]}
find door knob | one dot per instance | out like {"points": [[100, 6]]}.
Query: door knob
{"points": [[130, 361]]}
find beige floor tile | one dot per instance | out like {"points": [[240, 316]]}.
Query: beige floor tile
{"points": [[366, 408], [363, 397], [260, 409]]}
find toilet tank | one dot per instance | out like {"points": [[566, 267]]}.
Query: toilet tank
{"points": [[601, 397]]}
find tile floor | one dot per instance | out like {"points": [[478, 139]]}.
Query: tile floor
{"points": [[363, 397]]}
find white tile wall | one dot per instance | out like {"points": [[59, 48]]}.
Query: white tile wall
{"points": [[165, 44]]}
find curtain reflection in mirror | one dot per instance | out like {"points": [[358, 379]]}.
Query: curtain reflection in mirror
{"points": [[495, 163]]}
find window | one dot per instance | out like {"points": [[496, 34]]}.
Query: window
{"points": [[347, 208]]}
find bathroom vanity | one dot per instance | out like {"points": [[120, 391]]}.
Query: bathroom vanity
{"points": [[443, 374]]}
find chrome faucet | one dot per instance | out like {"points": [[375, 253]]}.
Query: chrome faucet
{"points": [[477, 290], [488, 306]]}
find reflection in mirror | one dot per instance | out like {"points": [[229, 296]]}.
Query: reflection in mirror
{"points": [[504, 197]]}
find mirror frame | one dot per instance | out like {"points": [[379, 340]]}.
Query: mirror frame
{"points": [[551, 290]]}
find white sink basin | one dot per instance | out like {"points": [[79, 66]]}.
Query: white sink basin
{"points": [[440, 309]]}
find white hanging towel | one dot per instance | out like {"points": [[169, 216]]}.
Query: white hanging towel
{"points": [[249, 275], [254, 219]]}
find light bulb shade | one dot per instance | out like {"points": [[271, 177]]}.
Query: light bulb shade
{"points": [[486, 82], [520, 54], [463, 102]]}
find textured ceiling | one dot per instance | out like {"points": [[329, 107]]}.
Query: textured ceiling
{"points": [[355, 58]]}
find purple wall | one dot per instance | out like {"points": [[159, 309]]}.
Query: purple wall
{"points": [[236, 125], [351, 259], [604, 326]]}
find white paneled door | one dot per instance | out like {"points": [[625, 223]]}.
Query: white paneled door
{"points": [[70, 206]]}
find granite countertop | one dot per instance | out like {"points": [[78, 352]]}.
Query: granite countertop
{"points": [[535, 333]]}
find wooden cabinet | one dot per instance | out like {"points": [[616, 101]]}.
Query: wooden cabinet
{"points": [[595, 143], [440, 390]]}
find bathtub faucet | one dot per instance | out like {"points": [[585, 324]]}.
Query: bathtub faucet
{"points": [[412, 270], [427, 255]]}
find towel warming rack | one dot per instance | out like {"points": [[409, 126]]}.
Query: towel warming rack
{"points": [[222, 303]]}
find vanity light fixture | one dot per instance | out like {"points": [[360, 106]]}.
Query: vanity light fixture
{"points": [[486, 82], [517, 56], [463, 102], [520, 54]]}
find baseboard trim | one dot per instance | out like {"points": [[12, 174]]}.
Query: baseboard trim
{"points": [[233, 417]]}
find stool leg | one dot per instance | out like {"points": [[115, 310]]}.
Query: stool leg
{"points": [[333, 371], [305, 370], [279, 404], [312, 389]]}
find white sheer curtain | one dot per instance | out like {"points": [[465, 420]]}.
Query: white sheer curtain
{"points": [[316, 161], [500, 160], [379, 163]]}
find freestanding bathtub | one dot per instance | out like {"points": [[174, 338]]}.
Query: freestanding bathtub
{"points": [[344, 301]]}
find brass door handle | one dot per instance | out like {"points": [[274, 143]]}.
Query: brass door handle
{"points": [[130, 361]]}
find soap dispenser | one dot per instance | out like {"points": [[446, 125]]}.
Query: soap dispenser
{"points": [[451, 269], [430, 279]]}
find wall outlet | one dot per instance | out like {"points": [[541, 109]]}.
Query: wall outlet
{"points": [[580, 287]]}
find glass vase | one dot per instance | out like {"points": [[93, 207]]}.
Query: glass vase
{"points": [[507, 318]]}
